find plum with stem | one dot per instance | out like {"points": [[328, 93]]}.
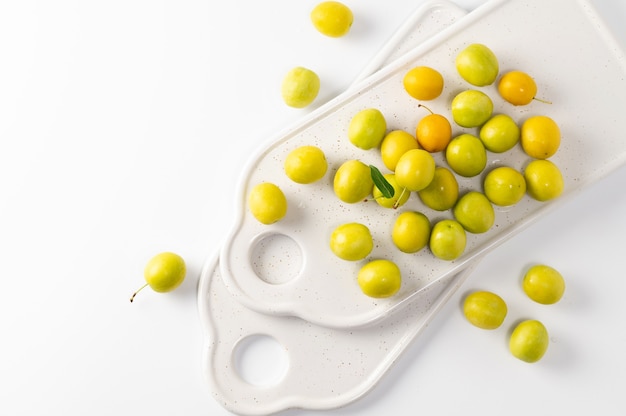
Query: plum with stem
{"points": [[163, 273]]}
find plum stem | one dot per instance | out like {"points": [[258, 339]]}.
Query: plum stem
{"points": [[137, 291], [422, 105], [542, 100], [396, 204]]}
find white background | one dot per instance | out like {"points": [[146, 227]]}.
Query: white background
{"points": [[124, 126]]}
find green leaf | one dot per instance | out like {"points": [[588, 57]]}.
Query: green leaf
{"points": [[381, 183]]}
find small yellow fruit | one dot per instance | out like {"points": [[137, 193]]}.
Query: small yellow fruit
{"points": [[367, 128], [332, 18], [543, 284], [267, 203], [306, 164], [529, 341], [415, 170], [504, 186], [411, 231], [300, 87], [353, 181], [544, 180], [466, 155], [448, 239], [517, 87], [433, 132], [163, 273], [474, 212], [477, 64], [500, 133], [394, 145], [484, 309], [380, 278], [423, 83], [351, 241], [442, 192], [540, 137]]}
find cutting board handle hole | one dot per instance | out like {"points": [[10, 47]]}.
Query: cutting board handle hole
{"points": [[276, 258], [260, 360]]}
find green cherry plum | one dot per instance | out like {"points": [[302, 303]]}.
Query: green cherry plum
{"points": [[529, 341], [351, 241], [411, 231], [380, 278], [544, 180], [471, 108], [367, 128], [353, 182], [543, 284], [474, 212], [394, 145], [442, 192], [447, 239], [504, 186], [500, 133], [306, 164], [300, 87], [332, 18], [267, 203], [163, 273], [484, 309], [466, 155], [415, 169], [477, 64]]}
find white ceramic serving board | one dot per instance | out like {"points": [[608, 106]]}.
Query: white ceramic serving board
{"points": [[324, 368], [287, 268], [315, 354]]}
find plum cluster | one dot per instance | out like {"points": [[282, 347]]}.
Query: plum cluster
{"points": [[411, 168]]}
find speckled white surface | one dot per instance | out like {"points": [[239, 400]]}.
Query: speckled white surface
{"points": [[325, 367], [524, 34]]}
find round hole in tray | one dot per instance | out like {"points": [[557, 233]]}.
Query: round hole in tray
{"points": [[260, 360], [276, 258]]}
